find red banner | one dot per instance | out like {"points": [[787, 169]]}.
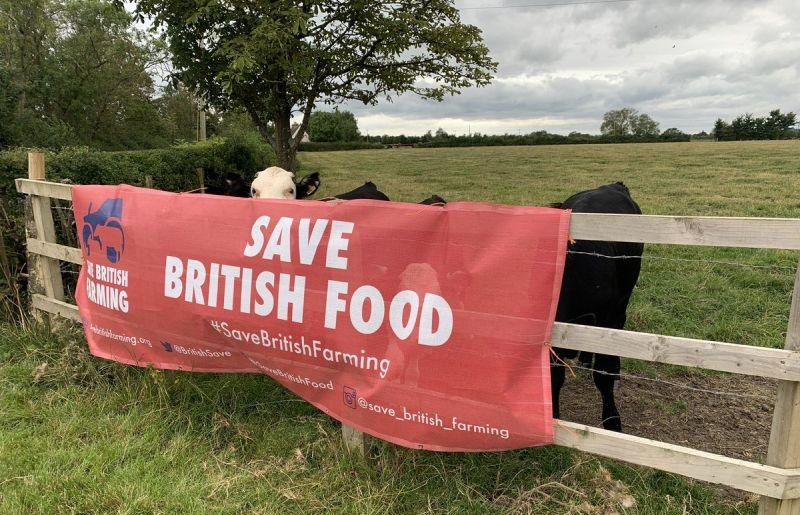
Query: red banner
{"points": [[422, 325]]}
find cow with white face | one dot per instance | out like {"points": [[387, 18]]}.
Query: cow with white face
{"points": [[277, 183], [274, 183]]}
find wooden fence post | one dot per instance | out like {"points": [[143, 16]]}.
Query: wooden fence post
{"points": [[784, 441], [201, 176], [148, 181], [45, 272], [353, 439]]}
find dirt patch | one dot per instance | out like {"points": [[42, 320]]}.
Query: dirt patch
{"points": [[724, 414]]}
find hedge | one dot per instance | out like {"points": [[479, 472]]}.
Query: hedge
{"points": [[319, 146], [172, 169]]}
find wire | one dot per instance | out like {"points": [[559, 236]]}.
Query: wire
{"points": [[684, 260], [676, 385], [562, 4]]}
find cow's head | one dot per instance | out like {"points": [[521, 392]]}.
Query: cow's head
{"points": [[277, 183]]}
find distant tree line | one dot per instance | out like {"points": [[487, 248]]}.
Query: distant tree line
{"points": [[749, 127], [443, 139]]}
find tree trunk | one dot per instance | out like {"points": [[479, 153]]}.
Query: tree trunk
{"points": [[284, 149]]}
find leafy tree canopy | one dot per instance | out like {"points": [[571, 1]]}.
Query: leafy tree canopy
{"points": [[748, 127], [628, 122], [328, 126], [77, 73], [275, 58]]}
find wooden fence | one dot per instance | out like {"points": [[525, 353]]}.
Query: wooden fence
{"points": [[778, 482]]}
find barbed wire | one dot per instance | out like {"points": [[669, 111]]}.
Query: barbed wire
{"points": [[685, 260], [651, 258], [670, 383]]}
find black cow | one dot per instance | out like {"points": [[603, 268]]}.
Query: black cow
{"points": [[309, 184], [276, 183], [595, 291], [368, 190], [234, 186]]}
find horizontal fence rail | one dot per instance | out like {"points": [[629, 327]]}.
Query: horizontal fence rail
{"points": [[44, 189], [673, 350], [760, 479], [778, 481], [763, 233], [754, 233]]}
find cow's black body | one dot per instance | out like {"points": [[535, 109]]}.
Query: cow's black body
{"points": [[233, 186], [433, 200], [368, 190], [310, 183], [595, 291]]}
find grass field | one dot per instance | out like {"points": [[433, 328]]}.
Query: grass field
{"points": [[704, 299], [81, 435]]}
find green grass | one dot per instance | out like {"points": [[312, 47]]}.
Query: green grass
{"points": [[82, 435], [682, 291], [712, 179]]}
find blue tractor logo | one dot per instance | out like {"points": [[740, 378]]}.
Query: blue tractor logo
{"points": [[102, 230]]}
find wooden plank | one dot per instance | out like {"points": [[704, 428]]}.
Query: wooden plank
{"points": [[54, 250], [765, 233], [725, 357], [353, 439], [751, 477], [45, 272], [36, 166], [784, 440], [44, 189], [201, 178], [56, 307], [768, 233]]}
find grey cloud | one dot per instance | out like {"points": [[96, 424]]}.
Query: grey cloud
{"points": [[583, 61], [522, 43], [646, 20]]}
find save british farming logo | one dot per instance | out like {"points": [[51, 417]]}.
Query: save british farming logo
{"points": [[102, 230], [103, 239]]}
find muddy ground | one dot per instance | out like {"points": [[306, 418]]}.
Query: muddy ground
{"points": [[724, 414]]}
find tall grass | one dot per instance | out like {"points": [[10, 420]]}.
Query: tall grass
{"points": [[83, 435]]}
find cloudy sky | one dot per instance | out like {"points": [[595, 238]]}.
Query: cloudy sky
{"points": [[683, 62]]}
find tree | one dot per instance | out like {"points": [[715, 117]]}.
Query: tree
{"points": [[179, 111], [281, 57], [79, 75], [674, 134], [333, 126], [8, 101], [100, 85], [26, 37], [721, 130], [643, 126], [749, 127], [626, 122], [778, 126], [619, 122]]}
